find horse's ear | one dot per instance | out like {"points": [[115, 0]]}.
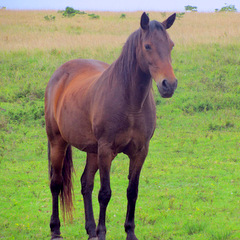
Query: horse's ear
{"points": [[169, 22], [144, 21]]}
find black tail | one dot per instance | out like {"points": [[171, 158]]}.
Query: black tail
{"points": [[66, 193]]}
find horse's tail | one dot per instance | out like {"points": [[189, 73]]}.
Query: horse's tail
{"points": [[66, 193]]}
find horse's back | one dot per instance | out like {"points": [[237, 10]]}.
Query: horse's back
{"points": [[78, 69], [73, 76], [82, 68]]}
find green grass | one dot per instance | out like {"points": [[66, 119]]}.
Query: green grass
{"points": [[189, 186]]}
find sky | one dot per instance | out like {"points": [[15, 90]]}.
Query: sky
{"points": [[118, 5]]}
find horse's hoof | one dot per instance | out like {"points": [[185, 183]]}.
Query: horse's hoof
{"points": [[56, 237], [131, 236], [93, 238], [102, 236]]}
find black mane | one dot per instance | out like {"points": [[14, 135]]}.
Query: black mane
{"points": [[126, 64]]}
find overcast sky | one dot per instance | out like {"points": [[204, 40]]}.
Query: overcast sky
{"points": [[119, 5]]}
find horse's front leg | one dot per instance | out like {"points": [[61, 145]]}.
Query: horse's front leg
{"points": [[105, 157], [136, 163], [87, 181]]}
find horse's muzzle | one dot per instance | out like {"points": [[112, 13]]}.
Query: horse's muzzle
{"points": [[167, 88]]}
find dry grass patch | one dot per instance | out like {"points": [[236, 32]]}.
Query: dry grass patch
{"points": [[29, 30], [205, 28]]}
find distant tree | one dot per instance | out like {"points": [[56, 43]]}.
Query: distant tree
{"points": [[190, 8], [70, 12], [227, 8]]}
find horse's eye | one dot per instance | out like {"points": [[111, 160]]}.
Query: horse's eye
{"points": [[147, 47]]}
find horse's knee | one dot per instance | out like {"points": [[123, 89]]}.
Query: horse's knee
{"points": [[104, 195]]}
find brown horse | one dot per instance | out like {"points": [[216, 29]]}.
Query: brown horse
{"points": [[105, 110]]}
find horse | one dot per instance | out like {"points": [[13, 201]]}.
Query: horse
{"points": [[104, 110]]}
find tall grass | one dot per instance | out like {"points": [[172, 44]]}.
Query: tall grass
{"points": [[29, 30]]}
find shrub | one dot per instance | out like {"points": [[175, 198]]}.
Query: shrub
{"points": [[180, 15], [27, 111], [163, 14], [219, 127], [93, 16], [49, 18], [123, 15]]}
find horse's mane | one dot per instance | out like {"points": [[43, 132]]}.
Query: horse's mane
{"points": [[126, 64]]}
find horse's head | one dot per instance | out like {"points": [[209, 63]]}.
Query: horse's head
{"points": [[154, 55]]}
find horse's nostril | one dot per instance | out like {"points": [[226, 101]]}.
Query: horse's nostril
{"points": [[168, 86], [165, 84]]}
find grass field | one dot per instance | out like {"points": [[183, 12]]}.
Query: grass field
{"points": [[190, 182]]}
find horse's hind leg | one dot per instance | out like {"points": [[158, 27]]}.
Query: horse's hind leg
{"points": [[87, 181], [57, 153]]}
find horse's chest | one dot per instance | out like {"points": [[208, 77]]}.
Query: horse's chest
{"points": [[136, 134]]}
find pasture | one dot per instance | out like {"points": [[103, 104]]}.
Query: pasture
{"points": [[190, 182]]}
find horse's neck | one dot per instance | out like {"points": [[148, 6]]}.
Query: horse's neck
{"points": [[136, 87], [139, 88], [128, 75]]}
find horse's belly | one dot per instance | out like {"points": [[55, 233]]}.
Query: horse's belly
{"points": [[82, 140], [77, 131], [89, 148]]}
